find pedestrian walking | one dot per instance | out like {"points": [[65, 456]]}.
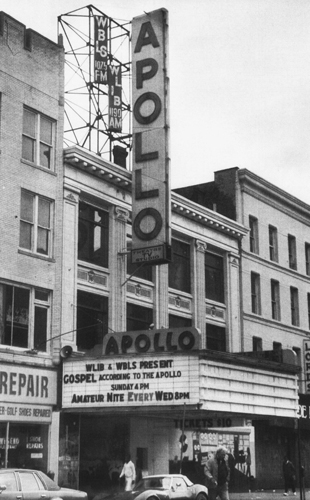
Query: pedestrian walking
{"points": [[217, 474], [129, 472], [289, 475], [248, 462]]}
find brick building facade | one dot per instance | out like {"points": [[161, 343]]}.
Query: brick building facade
{"points": [[31, 134]]}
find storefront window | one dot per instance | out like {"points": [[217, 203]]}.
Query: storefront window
{"points": [[26, 446], [69, 451], [2, 445]]}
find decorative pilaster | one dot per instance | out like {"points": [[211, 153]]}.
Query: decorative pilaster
{"points": [[117, 267], [234, 320], [200, 291], [69, 273]]}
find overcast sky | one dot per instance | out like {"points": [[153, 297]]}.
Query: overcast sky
{"points": [[240, 82]]}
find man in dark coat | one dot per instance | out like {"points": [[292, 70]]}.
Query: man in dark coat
{"points": [[217, 474], [289, 474]]}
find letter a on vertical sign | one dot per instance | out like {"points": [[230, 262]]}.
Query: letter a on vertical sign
{"points": [[101, 49], [115, 98], [151, 227]]}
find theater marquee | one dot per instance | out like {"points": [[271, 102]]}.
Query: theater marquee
{"points": [[151, 232], [131, 381]]}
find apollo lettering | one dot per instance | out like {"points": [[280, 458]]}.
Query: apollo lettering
{"points": [[146, 36], [165, 340], [150, 199]]}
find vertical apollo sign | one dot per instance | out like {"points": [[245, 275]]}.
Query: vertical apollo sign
{"points": [[151, 231]]}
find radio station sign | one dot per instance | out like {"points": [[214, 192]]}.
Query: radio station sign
{"points": [[147, 381], [21, 413], [115, 98], [27, 385], [155, 341], [151, 169], [101, 49]]}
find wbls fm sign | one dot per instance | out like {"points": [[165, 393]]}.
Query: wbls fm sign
{"points": [[105, 73], [151, 236]]}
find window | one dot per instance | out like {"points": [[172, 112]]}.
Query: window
{"points": [[38, 139], [93, 246], [35, 223], [214, 277], [275, 300], [216, 338], [17, 440], [137, 270], [92, 320], [273, 243], [292, 257], [307, 255], [253, 223], [276, 346], [257, 344], [8, 478], [308, 301], [138, 317], [179, 485], [179, 321], [179, 268], [294, 306], [24, 314], [277, 352], [255, 293]]}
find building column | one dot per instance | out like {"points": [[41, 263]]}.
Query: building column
{"points": [[69, 271], [161, 301], [234, 324], [118, 271], [200, 291]]}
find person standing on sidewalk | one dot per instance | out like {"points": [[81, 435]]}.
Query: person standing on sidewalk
{"points": [[217, 474], [129, 472], [289, 475]]}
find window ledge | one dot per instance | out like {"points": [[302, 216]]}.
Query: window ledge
{"points": [[47, 170], [35, 255]]}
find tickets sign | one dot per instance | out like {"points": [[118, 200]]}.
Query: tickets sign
{"points": [[147, 381]]}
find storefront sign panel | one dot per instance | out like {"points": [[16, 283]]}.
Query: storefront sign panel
{"points": [[28, 385], [147, 381], [20, 413]]}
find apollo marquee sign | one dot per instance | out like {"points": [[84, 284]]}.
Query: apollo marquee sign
{"points": [[149, 368], [149, 381], [151, 231]]}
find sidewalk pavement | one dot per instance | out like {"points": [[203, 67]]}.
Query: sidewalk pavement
{"points": [[267, 495]]}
